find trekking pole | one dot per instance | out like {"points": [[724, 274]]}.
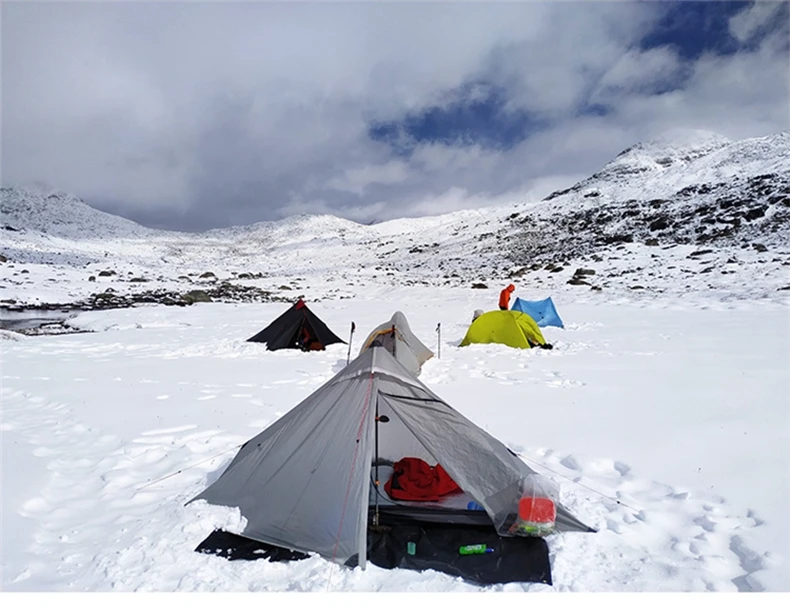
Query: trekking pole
{"points": [[439, 341], [350, 338], [394, 346]]}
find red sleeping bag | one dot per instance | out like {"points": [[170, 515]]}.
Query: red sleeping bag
{"points": [[413, 479]]}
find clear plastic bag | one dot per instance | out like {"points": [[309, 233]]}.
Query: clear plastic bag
{"points": [[537, 507]]}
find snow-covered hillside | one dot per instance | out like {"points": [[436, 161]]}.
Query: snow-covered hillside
{"points": [[59, 214], [692, 211]]}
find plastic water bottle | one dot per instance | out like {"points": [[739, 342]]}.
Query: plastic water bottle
{"points": [[474, 549]]}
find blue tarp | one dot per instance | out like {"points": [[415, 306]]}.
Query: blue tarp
{"points": [[543, 312]]}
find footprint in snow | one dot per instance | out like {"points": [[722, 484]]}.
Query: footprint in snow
{"points": [[168, 430]]}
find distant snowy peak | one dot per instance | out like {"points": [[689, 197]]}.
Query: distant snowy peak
{"points": [[62, 215], [672, 150], [679, 159], [678, 145], [698, 189], [295, 230]]}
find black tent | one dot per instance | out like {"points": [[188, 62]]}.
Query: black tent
{"points": [[299, 328]]}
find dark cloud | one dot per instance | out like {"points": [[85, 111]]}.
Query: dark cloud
{"points": [[195, 115]]}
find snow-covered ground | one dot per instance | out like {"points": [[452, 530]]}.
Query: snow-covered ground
{"points": [[678, 409], [662, 411]]}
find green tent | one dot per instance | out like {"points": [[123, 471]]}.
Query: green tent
{"points": [[511, 328]]}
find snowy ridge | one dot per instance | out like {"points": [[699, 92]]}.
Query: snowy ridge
{"points": [[662, 167], [656, 204], [60, 214]]}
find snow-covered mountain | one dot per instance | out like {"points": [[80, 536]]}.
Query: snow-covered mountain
{"points": [[700, 190], [632, 223], [60, 214]]}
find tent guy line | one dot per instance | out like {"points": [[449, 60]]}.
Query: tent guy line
{"points": [[171, 475], [609, 497]]}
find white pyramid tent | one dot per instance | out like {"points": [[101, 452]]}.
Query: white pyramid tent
{"points": [[396, 336], [304, 483]]}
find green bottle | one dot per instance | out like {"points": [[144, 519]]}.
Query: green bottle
{"points": [[472, 549]]}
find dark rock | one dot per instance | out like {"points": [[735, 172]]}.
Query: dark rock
{"points": [[479, 285], [207, 274], [107, 273], [651, 242], [583, 272], [754, 214], [697, 253], [659, 224], [759, 247], [620, 238], [285, 287], [578, 282], [138, 280], [92, 278], [196, 296]]}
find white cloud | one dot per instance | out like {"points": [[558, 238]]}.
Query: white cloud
{"points": [[748, 22], [637, 70], [356, 180], [231, 113]]}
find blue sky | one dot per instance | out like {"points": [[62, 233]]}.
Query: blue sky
{"points": [[690, 28], [197, 115]]}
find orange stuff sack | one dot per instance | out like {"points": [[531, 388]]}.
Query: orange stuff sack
{"points": [[537, 510]]}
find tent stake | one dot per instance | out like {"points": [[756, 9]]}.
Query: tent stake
{"points": [[439, 341]]}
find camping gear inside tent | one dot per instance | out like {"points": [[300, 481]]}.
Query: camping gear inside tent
{"points": [[542, 312], [312, 483], [297, 327], [395, 335], [515, 329]]}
